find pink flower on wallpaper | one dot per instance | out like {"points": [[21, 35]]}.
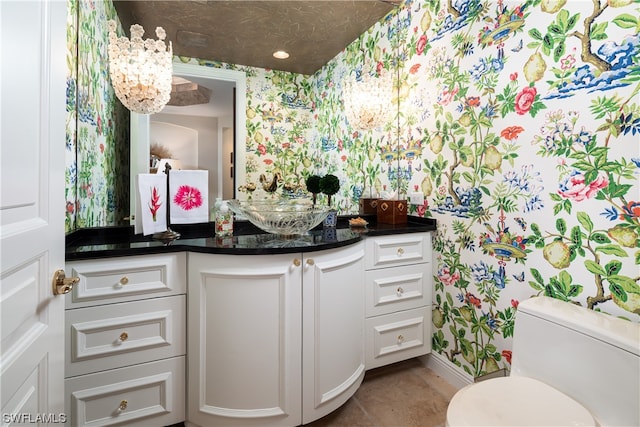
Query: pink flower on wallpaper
{"points": [[575, 186], [422, 209], [446, 277], [422, 43], [525, 99], [447, 96], [567, 62], [188, 197]]}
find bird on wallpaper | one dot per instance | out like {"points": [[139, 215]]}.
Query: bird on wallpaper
{"points": [[270, 186]]}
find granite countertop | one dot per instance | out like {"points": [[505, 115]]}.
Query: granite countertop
{"points": [[106, 242]]}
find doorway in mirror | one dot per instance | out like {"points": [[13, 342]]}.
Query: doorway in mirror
{"points": [[200, 129]]}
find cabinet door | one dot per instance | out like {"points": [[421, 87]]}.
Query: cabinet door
{"points": [[244, 340], [333, 329]]}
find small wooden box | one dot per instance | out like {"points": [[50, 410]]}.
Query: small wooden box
{"points": [[368, 206], [392, 211]]}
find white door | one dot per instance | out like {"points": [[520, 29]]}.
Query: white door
{"points": [[32, 126]]}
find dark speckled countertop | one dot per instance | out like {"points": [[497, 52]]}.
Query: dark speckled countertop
{"points": [[93, 243]]}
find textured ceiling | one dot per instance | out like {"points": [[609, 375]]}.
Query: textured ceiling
{"points": [[248, 32]]}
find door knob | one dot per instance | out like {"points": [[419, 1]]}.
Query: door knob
{"points": [[61, 284]]}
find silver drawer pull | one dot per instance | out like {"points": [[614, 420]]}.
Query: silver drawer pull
{"points": [[400, 339], [124, 336], [399, 291], [124, 280], [400, 251], [123, 405]]}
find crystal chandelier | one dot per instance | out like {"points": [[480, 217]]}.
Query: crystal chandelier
{"points": [[367, 99], [140, 69]]}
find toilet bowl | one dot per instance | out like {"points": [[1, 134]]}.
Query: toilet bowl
{"points": [[515, 401], [570, 367]]}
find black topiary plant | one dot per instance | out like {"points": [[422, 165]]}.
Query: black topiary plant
{"points": [[329, 185], [313, 186]]}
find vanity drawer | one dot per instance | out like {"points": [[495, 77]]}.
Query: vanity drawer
{"points": [[397, 250], [151, 394], [398, 336], [126, 279], [397, 288], [113, 335]]}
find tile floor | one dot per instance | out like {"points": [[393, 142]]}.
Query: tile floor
{"points": [[405, 394]]}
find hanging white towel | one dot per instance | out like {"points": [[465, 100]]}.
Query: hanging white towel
{"points": [[189, 191], [151, 204]]}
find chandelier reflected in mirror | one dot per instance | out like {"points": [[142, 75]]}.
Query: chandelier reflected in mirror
{"points": [[367, 99], [140, 70]]}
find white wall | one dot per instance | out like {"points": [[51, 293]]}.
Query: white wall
{"points": [[208, 152]]}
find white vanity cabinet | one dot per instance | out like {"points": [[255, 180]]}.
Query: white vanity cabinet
{"points": [[125, 340], [398, 283], [274, 340]]}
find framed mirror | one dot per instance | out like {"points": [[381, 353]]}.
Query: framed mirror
{"points": [[195, 136]]}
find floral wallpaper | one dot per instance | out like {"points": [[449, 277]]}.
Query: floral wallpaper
{"points": [[517, 120], [97, 160], [527, 117]]}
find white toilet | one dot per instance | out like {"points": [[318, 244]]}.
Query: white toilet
{"points": [[570, 367]]}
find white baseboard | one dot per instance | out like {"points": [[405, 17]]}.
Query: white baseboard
{"points": [[447, 370]]}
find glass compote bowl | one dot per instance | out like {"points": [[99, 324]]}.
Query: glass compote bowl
{"points": [[286, 217]]}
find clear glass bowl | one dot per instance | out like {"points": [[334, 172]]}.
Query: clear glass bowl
{"points": [[280, 216]]}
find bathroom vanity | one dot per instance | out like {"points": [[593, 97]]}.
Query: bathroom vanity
{"points": [[253, 330]]}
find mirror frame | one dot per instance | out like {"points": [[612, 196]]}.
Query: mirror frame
{"points": [[140, 144]]}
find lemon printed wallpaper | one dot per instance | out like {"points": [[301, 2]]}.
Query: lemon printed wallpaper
{"points": [[518, 120]]}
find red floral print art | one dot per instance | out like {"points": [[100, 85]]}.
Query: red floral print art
{"points": [[154, 203], [188, 197]]}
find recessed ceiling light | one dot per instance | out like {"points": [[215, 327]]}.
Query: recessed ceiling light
{"points": [[280, 54]]}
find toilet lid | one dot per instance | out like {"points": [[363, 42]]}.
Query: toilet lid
{"points": [[515, 401]]}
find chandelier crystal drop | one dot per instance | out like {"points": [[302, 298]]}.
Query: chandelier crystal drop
{"points": [[367, 99], [140, 70]]}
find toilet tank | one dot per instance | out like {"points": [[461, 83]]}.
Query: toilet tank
{"points": [[590, 356]]}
